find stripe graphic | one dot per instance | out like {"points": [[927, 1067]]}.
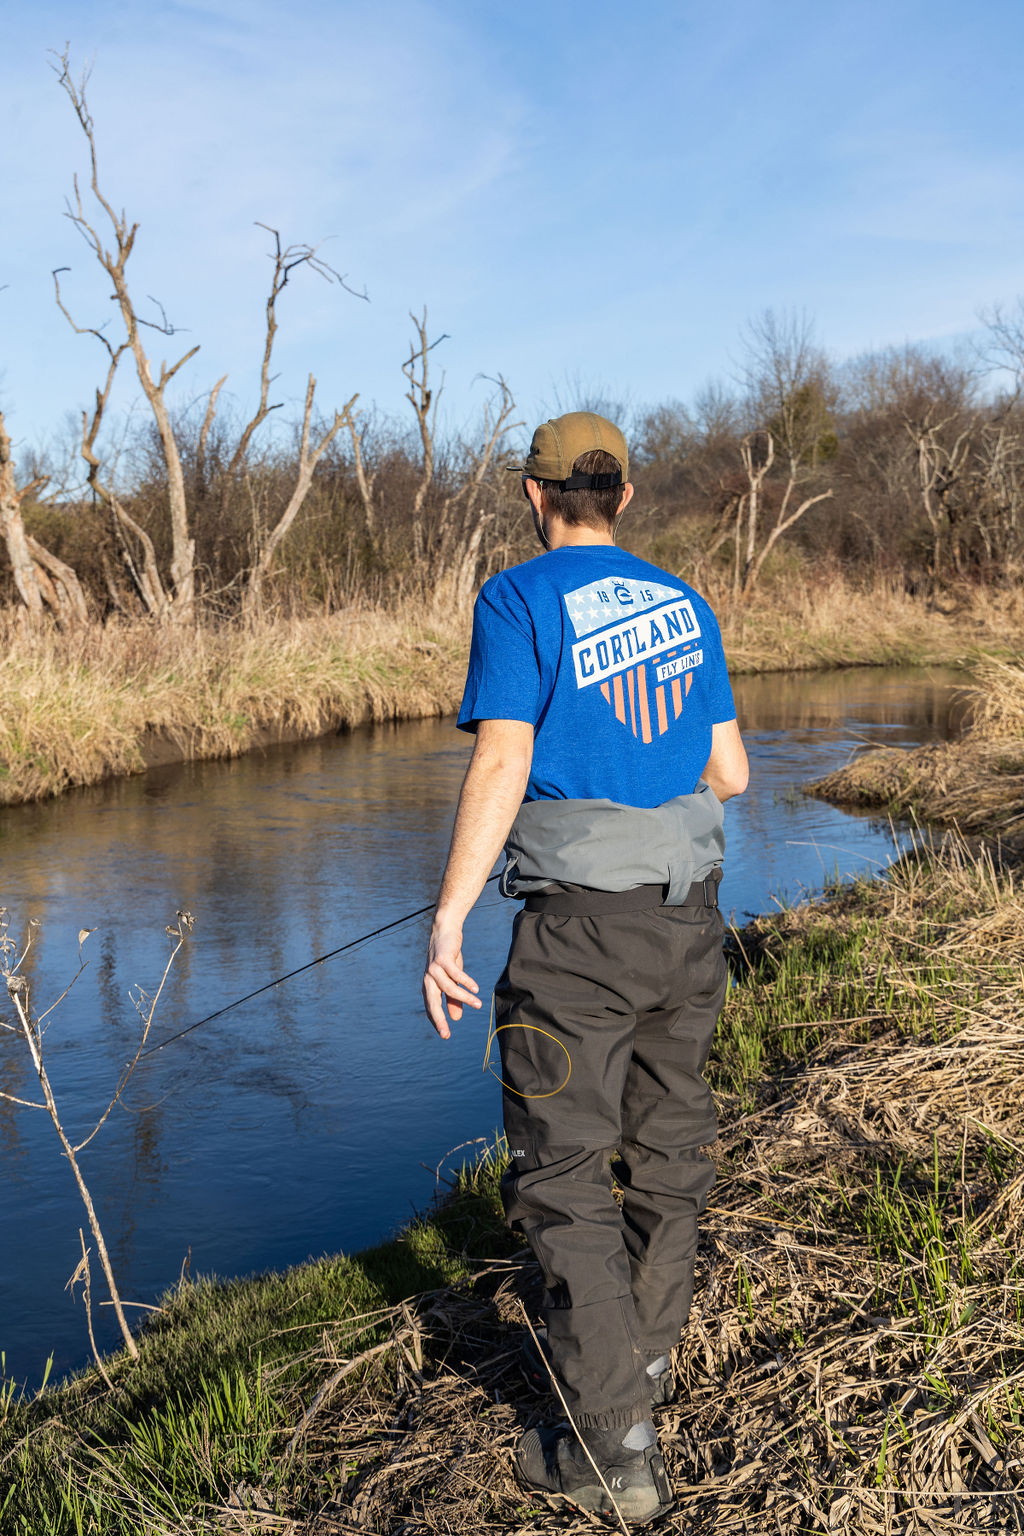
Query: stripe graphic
{"points": [[645, 714]]}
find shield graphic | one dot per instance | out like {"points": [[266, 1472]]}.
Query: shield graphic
{"points": [[646, 712], [638, 642]]}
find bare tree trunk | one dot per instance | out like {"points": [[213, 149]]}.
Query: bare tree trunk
{"points": [[309, 458], [755, 479], [364, 481], [31, 563], [750, 580], [424, 403], [746, 580], [69, 599], [15, 538]]}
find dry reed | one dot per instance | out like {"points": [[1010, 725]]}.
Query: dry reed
{"points": [[83, 706], [976, 783], [113, 700], [816, 618]]}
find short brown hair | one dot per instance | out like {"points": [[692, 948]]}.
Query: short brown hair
{"points": [[587, 508]]}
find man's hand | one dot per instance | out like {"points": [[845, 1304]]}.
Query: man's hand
{"points": [[444, 981]]}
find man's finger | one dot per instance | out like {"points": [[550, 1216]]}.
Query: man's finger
{"points": [[448, 983], [435, 1009]]}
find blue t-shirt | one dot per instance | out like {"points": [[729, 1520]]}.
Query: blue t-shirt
{"points": [[617, 665]]}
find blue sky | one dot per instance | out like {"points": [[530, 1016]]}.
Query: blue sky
{"points": [[577, 192]]}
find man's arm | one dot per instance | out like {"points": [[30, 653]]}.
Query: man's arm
{"points": [[727, 771], [492, 793]]}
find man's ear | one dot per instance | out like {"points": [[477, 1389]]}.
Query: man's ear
{"points": [[537, 496], [627, 497]]}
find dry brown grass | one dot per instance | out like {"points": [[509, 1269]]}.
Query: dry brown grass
{"points": [[855, 1358], [976, 783], [818, 619], [113, 700], [82, 706]]}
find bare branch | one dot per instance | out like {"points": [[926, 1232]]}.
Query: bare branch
{"points": [[424, 403], [114, 263], [84, 1273], [309, 458], [30, 1029], [180, 932]]}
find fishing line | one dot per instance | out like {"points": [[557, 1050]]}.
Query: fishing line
{"points": [[269, 985], [492, 1034]]}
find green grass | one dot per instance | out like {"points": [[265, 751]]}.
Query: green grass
{"points": [[220, 1380]]}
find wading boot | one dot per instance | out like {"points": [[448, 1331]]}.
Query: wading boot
{"points": [[553, 1461], [536, 1367]]}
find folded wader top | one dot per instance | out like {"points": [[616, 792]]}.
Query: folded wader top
{"points": [[605, 846]]}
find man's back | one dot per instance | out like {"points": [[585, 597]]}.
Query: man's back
{"points": [[617, 665]]}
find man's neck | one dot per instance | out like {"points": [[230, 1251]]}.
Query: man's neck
{"points": [[562, 535]]}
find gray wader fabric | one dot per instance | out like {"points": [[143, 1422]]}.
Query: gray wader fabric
{"points": [[613, 847], [604, 1025]]}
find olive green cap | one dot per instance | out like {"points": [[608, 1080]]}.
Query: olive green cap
{"points": [[558, 443]]}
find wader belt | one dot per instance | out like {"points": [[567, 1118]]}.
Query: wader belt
{"points": [[570, 901]]}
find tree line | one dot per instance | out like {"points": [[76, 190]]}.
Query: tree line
{"points": [[905, 463]]}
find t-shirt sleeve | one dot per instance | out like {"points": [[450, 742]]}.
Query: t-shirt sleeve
{"points": [[721, 706], [503, 681]]}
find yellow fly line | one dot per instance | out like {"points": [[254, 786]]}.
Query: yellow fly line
{"points": [[492, 1032]]}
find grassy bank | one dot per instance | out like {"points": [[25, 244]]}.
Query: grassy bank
{"points": [[107, 701], [855, 1358], [83, 706], [975, 783]]}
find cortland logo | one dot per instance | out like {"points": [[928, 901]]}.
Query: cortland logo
{"points": [[622, 645], [621, 624]]}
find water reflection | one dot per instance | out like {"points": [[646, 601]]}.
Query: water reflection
{"points": [[298, 1123]]}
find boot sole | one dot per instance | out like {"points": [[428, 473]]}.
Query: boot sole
{"points": [[633, 1503]]}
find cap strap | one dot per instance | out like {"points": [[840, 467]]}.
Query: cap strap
{"points": [[591, 482]]}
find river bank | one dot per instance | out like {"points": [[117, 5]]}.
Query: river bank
{"points": [[109, 701], [855, 1359], [975, 783]]}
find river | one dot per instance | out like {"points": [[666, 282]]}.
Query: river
{"points": [[300, 1123]]}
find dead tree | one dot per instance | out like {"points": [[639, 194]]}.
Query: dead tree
{"points": [[447, 549], [43, 581], [941, 467], [177, 600], [286, 260], [366, 479], [424, 401], [787, 390], [310, 455], [788, 511], [463, 522]]}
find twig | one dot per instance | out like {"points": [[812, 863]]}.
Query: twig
{"points": [[572, 1422], [84, 1274]]}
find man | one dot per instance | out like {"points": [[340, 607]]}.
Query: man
{"points": [[606, 740]]}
